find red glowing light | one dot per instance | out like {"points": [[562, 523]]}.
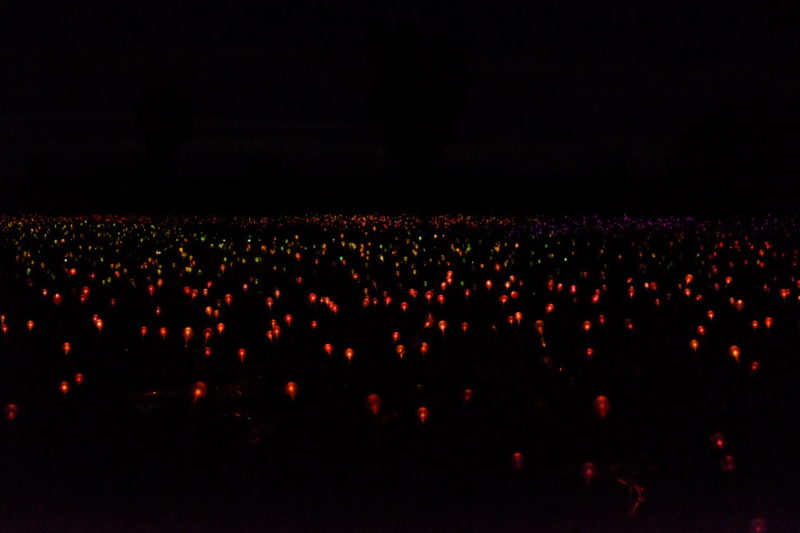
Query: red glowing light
{"points": [[12, 411], [517, 461], [602, 406], [423, 414], [374, 403]]}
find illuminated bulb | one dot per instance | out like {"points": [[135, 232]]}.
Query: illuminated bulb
{"points": [[291, 390], [734, 352], [423, 414], [188, 333], [374, 403], [198, 391], [602, 406]]}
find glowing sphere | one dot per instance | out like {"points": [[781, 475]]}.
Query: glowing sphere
{"points": [[374, 403], [198, 391], [602, 406], [291, 390], [735, 352]]}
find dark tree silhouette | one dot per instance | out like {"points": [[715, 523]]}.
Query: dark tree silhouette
{"points": [[418, 88]]}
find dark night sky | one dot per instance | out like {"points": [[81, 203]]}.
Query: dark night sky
{"points": [[663, 105]]}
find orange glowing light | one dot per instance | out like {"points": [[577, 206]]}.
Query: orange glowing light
{"points": [[735, 352], [589, 471], [198, 391], [188, 333], [291, 390]]}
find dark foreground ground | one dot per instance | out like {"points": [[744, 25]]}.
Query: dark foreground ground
{"points": [[156, 434]]}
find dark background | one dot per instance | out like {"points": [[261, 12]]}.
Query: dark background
{"points": [[633, 106]]}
